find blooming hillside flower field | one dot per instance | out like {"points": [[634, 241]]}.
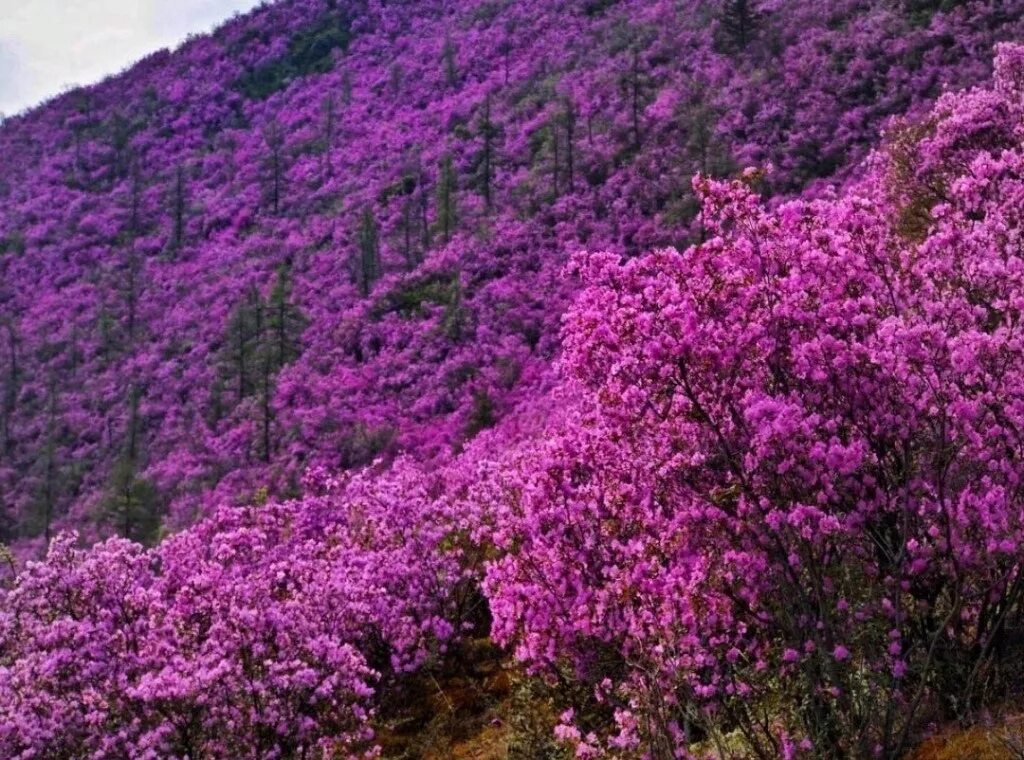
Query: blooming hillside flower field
{"points": [[673, 345]]}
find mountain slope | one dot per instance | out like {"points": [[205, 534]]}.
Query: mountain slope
{"points": [[332, 231], [352, 343]]}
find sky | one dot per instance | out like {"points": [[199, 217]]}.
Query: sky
{"points": [[47, 46]]}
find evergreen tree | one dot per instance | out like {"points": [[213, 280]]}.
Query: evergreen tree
{"points": [[369, 265], [569, 119], [274, 137], [240, 348], [285, 322], [12, 384], [449, 54], [262, 337], [120, 135], [130, 291], [134, 224], [738, 22], [556, 164], [48, 474], [179, 208], [132, 503], [330, 119], [447, 215], [635, 83], [488, 131]]}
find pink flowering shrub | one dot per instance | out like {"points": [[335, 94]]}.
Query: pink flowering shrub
{"points": [[784, 501], [261, 630]]}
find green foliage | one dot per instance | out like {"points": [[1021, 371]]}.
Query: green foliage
{"points": [[483, 414], [262, 337], [447, 186], [921, 11], [13, 244], [448, 60], [364, 444], [738, 24], [132, 504], [597, 7], [368, 270], [408, 300], [284, 320], [311, 51]]}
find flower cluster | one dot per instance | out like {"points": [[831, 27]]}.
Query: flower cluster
{"points": [[262, 630], [787, 482]]}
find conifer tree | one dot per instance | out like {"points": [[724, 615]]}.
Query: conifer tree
{"points": [[120, 135], [274, 137], [47, 494], [285, 322], [240, 345], [131, 286], [369, 266], [132, 502], [488, 131], [330, 118], [635, 83], [134, 224], [179, 208], [447, 214], [738, 21], [448, 60], [12, 383], [569, 117], [556, 164]]}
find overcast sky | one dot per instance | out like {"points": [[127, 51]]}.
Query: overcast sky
{"points": [[46, 45]]}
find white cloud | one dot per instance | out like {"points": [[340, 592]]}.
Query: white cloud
{"points": [[47, 45]]}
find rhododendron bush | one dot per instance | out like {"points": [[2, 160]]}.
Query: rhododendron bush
{"points": [[261, 632], [785, 498]]}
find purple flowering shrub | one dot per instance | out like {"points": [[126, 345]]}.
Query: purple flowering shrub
{"points": [[262, 630], [784, 498]]}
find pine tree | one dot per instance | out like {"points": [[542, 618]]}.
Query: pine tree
{"points": [[569, 118], [447, 214], [46, 499], [12, 384], [285, 322], [369, 265], [330, 118], [134, 225], [408, 212], [262, 337], [738, 21], [131, 287], [179, 208], [274, 137], [556, 164], [488, 131], [635, 85], [120, 135], [448, 60], [132, 503], [241, 345]]}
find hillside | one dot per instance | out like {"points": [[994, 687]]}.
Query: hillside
{"points": [[539, 379], [333, 231]]}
